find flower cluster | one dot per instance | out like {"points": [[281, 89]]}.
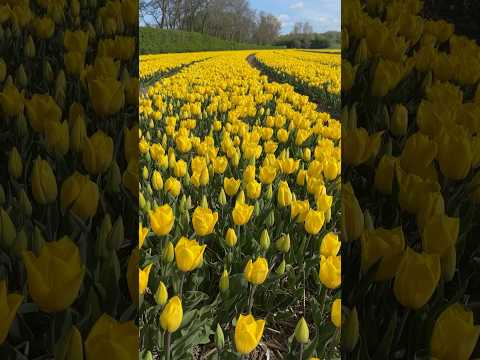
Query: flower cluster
{"points": [[239, 185], [410, 100], [68, 91]]}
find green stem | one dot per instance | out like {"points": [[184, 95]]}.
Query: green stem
{"points": [[180, 289], [169, 339], [301, 352], [250, 298]]}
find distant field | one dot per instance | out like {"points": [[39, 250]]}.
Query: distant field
{"points": [[157, 41]]}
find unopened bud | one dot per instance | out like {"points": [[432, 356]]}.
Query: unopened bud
{"points": [[117, 234], [161, 295], [350, 331], [265, 240], [7, 230], [224, 282], [222, 199], [219, 338], [302, 333], [283, 244], [280, 268], [15, 165], [231, 237], [168, 252], [24, 203]]}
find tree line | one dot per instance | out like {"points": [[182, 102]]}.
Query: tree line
{"points": [[302, 36], [232, 20]]}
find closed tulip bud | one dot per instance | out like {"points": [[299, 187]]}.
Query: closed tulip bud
{"points": [[161, 295], [219, 338], [24, 203], [168, 252], [114, 179], [265, 240], [280, 269], [15, 165], [21, 77], [352, 213], [101, 248], [302, 333], [269, 193], [270, 219], [361, 54], [148, 356], [222, 199], [256, 272], [231, 237], [7, 230], [399, 121], [449, 264], [204, 202], [44, 184], [47, 71], [224, 282], [350, 331], [384, 174], [37, 240], [29, 48], [283, 244], [21, 126], [78, 134], [116, 235], [141, 201]]}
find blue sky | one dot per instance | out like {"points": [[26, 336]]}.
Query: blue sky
{"points": [[324, 15]]}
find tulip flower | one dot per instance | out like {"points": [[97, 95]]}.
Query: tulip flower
{"points": [[314, 221], [44, 184], [330, 271], [80, 195], [330, 245], [204, 221], [231, 186], [161, 220], [256, 272], [172, 315], [241, 213], [142, 234], [55, 276], [109, 338], [248, 333], [336, 313], [97, 153], [188, 254], [143, 275]]}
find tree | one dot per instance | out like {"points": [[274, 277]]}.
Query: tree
{"points": [[268, 29]]}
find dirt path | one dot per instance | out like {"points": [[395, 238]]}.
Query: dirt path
{"points": [[334, 113]]}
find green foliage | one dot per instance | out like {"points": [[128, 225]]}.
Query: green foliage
{"points": [[154, 41], [327, 40]]}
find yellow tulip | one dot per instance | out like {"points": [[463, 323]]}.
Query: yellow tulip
{"points": [[188, 254], [284, 195], [256, 272], [248, 333], [336, 313], [267, 174], [231, 186], [161, 220], [143, 275], [231, 237], [254, 189], [352, 213], [9, 304], [80, 195], [107, 96], [416, 279], [142, 234], [454, 334], [42, 109], [314, 221], [299, 210], [241, 213], [172, 186], [44, 184], [204, 221], [132, 275], [330, 271], [11, 100], [109, 338], [172, 315], [440, 233], [330, 245], [55, 276], [97, 153]]}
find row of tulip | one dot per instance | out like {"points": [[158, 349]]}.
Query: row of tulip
{"points": [[230, 163]]}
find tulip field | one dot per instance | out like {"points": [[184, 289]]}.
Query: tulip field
{"points": [[410, 147], [239, 202]]}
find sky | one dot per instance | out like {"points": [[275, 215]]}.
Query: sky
{"points": [[323, 15]]}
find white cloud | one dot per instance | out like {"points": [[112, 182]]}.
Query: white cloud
{"points": [[298, 5]]}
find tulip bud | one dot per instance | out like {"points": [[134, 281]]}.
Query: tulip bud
{"points": [[37, 240], [183, 204], [224, 282], [21, 125], [2, 195], [7, 230], [78, 134], [280, 268], [189, 202], [361, 54], [70, 346], [269, 193], [21, 77], [270, 218], [168, 252], [61, 82], [204, 202], [141, 201], [265, 240], [222, 199], [219, 338], [350, 331], [101, 249], [231, 237], [283, 244], [15, 165], [47, 71], [302, 333], [24, 203], [148, 356], [29, 48], [117, 235], [161, 295], [399, 121], [449, 264]]}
